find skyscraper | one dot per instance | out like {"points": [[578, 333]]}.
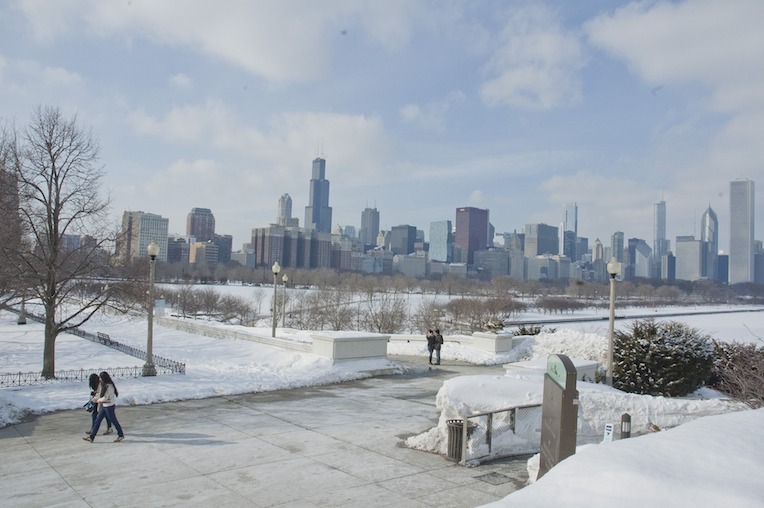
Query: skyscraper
{"points": [[369, 227], [402, 239], [616, 245], [138, 230], [318, 213], [709, 236], [441, 241], [661, 245], [741, 264], [569, 231], [541, 239], [285, 212], [471, 232], [200, 223]]}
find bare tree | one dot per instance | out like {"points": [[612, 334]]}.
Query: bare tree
{"points": [[386, 313], [337, 308], [55, 163]]}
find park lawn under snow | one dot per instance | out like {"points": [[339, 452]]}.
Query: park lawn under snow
{"points": [[692, 454]]}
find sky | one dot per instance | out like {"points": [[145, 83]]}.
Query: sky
{"points": [[417, 107], [665, 468]]}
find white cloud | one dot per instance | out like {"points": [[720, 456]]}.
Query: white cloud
{"points": [[185, 178], [537, 65], [212, 120], [718, 44], [181, 80], [433, 117], [281, 41]]}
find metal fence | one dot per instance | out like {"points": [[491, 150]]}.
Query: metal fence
{"points": [[66, 376], [163, 365], [502, 433]]}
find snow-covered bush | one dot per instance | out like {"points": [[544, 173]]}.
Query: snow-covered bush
{"points": [[661, 358]]}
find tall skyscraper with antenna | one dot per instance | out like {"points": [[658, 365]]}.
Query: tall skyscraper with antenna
{"points": [[318, 213], [661, 245]]}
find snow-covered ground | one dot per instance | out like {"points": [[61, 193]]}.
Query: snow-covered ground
{"points": [[693, 452]]}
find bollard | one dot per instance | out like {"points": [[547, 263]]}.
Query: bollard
{"points": [[625, 425]]}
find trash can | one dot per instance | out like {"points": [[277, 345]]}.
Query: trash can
{"points": [[455, 432]]}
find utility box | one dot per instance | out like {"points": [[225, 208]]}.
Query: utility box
{"points": [[559, 417]]}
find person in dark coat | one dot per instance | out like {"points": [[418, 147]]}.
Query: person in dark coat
{"points": [[438, 344], [430, 343]]}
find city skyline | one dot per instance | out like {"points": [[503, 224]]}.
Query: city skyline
{"points": [[515, 107]]}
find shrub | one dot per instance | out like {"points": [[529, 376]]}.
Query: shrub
{"points": [[531, 330], [739, 372], [661, 358]]}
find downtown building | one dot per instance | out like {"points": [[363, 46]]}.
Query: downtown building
{"points": [[472, 233], [139, 229], [318, 213], [200, 225], [369, 228], [741, 253]]}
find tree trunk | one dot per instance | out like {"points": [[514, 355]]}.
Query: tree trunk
{"points": [[49, 349]]}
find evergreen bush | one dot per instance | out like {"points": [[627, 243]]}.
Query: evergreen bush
{"points": [[661, 358]]}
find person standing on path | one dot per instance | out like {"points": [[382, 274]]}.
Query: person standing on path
{"points": [[106, 396], [430, 343], [438, 343], [94, 381]]}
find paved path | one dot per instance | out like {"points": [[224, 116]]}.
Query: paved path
{"points": [[338, 445]]}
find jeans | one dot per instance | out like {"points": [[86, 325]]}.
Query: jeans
{"points": [[106, 412], [430, 349], [94, 414], [437, 351]]}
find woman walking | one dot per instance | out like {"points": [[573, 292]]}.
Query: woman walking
{"points": [[94, 381], [107, 393]]}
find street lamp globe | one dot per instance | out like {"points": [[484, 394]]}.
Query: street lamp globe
{"points": [[276, 268], [153, 249], [613, 267]]}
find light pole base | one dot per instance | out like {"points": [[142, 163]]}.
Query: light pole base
{"points": [[149, 370]]}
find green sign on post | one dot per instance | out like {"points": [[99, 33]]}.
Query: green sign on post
{"points": [[559, 416]]}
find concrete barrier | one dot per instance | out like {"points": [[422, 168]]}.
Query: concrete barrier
{"points": [[340, 346], [493, 342], [337, 346]]}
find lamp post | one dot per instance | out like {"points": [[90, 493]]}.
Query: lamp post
{"points": [[276, 269], [149, 369], [284, 279], [614, 269]]}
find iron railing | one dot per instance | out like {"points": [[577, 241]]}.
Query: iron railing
{"points": [[163, 365], [66, 376], [487, 433]]}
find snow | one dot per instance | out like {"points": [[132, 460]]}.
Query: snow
{"points": [[698, 451]]}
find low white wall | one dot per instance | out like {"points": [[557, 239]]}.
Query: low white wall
{"points": [[336, 346], [493, 342], [350, 345]]}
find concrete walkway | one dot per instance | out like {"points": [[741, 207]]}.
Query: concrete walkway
{"points": [[338, 445]]}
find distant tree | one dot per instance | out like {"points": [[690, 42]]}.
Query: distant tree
{"points": [[386, 313], [55, 163], [739, 372]]}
